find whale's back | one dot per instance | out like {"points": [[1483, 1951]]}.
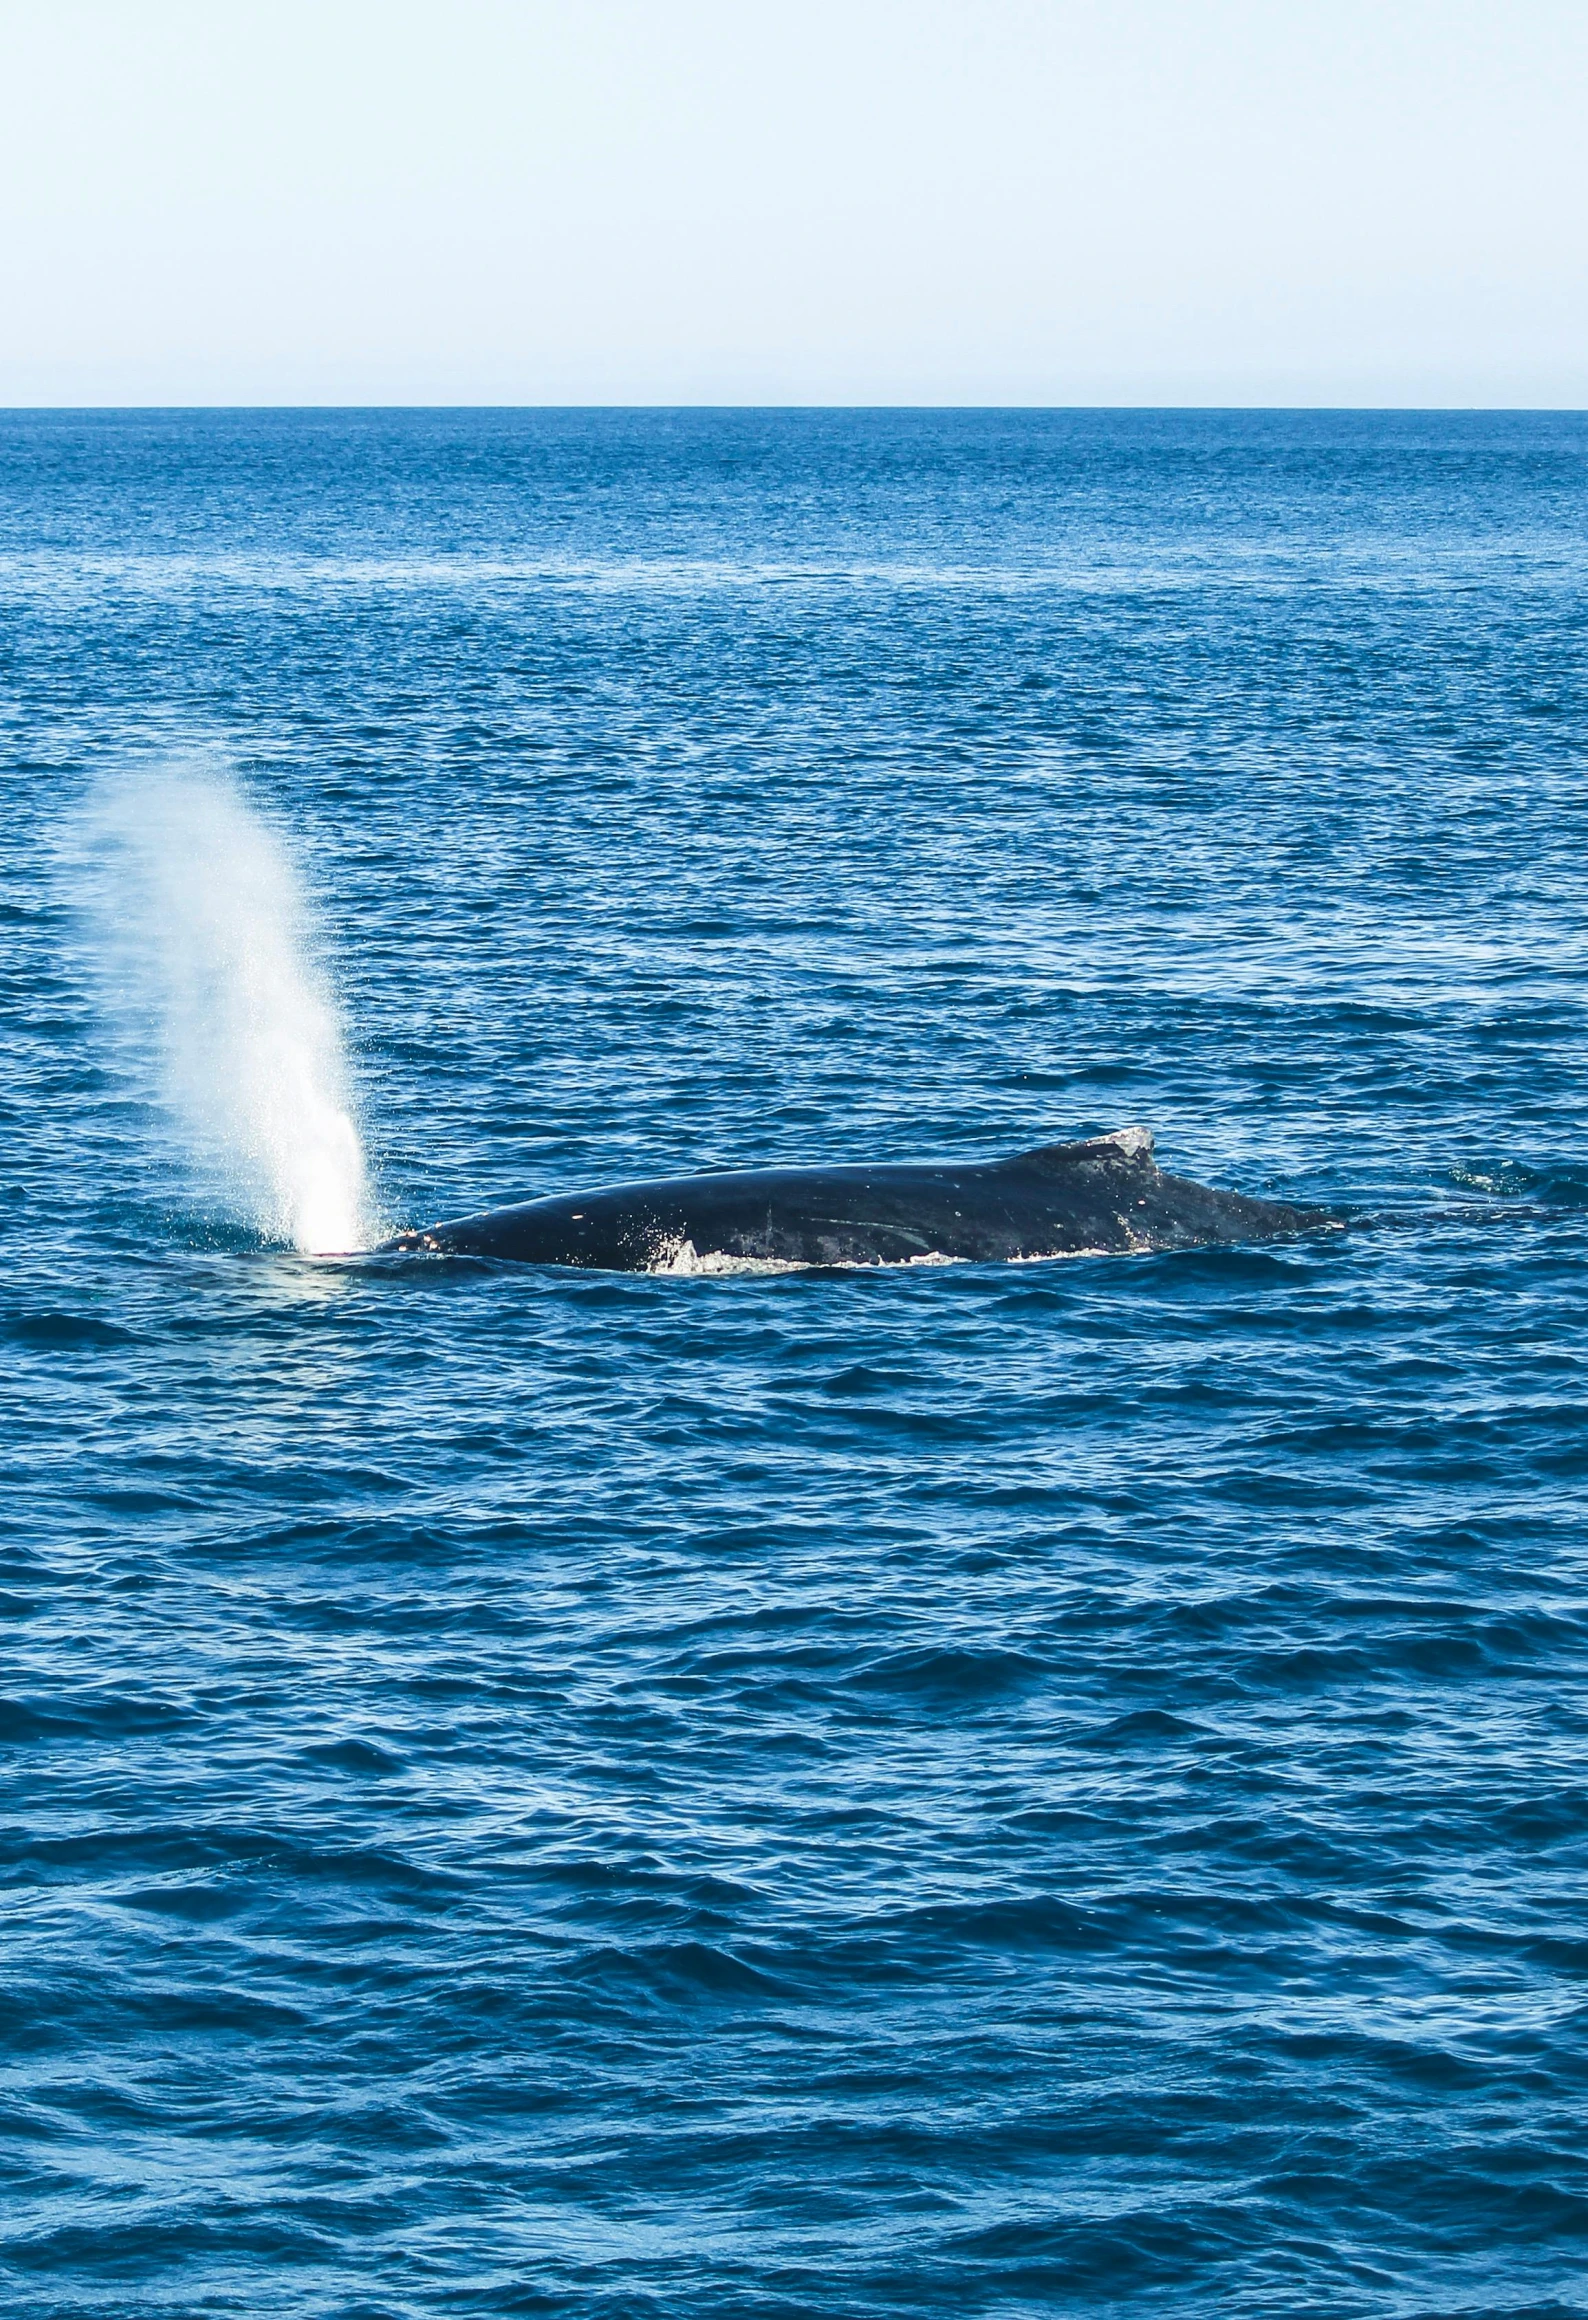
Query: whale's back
{"points": [[1097, 1196]]}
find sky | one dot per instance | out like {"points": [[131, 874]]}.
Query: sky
{"points": [[1380, 202]]}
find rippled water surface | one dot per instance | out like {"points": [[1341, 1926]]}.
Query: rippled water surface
{"points": [[1009, 1791]]}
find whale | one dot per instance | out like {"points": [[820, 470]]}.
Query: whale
{"points": [[1101, 1196]]}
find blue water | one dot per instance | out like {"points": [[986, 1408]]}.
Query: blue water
{"points": [[1053, 1789]]}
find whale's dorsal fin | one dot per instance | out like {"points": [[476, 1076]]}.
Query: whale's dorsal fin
{"points": [[1123, 1144]]}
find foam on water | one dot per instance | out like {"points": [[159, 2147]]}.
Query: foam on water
{"points": [[214, 993], [681, 1259]]}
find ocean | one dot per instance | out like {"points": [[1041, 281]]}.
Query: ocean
{"points": [[1059, 1788]]}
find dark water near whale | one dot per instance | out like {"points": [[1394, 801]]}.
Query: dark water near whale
{"points": [[1058, 1789]]}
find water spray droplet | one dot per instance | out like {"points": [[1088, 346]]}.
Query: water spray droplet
{"points": [[212, 970]]}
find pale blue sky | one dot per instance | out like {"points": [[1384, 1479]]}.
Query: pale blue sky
{"points": [[1041, 201]]}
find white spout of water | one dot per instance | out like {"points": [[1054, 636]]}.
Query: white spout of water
{"points": [[211, 955]]}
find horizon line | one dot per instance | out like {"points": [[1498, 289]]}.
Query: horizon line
{"points": [[1206, 409]]}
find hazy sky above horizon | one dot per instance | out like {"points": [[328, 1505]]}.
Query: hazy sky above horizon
{"points": [[878, 201]]}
